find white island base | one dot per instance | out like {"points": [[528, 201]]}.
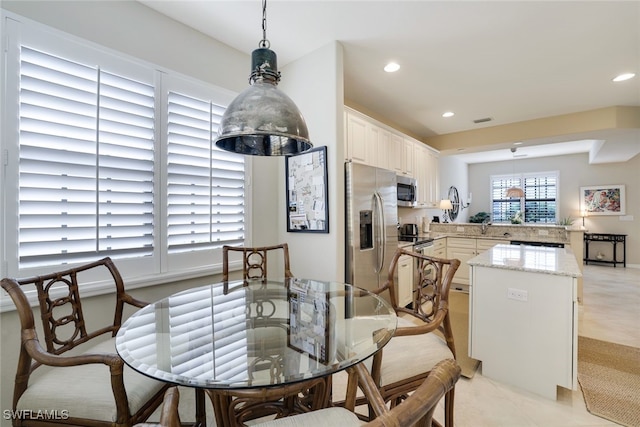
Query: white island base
{"points": [[523, 317]]}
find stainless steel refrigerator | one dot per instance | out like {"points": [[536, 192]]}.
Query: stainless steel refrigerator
{"points": [[371, 224]]}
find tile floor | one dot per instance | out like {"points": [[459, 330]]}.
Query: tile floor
{"points": [[609, 312]]}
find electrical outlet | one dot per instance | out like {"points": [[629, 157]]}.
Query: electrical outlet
{"points": [[517, 294]]}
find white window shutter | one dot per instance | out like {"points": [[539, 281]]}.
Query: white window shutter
{"points": [[86, 162], [205, 185]]}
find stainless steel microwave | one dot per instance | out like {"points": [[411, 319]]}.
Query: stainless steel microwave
{"points": [[407, 191]]}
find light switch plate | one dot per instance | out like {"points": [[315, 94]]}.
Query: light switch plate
{"points": [[517, 294]]}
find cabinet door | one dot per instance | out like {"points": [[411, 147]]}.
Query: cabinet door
{"points": [[357, 139], [408, 154], [463, 249], [421, 173], [396, 153], [405, 280], [381, 138], [432, 195]]}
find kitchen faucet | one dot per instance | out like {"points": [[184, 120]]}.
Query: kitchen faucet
{"points": [[485, 225]]}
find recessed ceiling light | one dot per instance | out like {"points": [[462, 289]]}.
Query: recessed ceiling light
{"points": [[391, 67], [623, 77], [448, 114]]}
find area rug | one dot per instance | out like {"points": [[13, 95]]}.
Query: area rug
{"points": [[459, 314], [609, 375]]}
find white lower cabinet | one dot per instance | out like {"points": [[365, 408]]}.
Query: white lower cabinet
{"points": [[465, 248], [405, 280]]}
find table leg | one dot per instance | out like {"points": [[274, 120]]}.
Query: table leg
{"points": [[201, 412]]}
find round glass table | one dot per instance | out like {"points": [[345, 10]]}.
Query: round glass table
{"points": [[238, 338]]}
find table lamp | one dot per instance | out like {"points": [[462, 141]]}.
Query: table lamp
{"points": [[445, 205]]}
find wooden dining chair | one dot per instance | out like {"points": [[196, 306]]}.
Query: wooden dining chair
{"points": [[416, 410], [89, 386], [423, 336], [255, 260], [169, 415]]}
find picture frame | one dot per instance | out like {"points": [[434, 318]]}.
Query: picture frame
{"points": [[603, 199], [306, 191]]}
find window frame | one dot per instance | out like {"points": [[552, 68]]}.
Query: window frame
{"points": [[520, 180], [158, 268]]}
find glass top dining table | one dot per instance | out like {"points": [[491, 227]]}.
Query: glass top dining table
{"points": [[244, 335]]}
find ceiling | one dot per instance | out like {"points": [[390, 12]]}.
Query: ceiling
{"points": [[511, 61]]}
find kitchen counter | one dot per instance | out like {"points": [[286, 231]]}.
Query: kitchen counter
{"points": [[531, 233], [538, 259], [523, 316]]}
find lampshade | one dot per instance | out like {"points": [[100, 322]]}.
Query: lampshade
{"points": [[515, 193], [445, 204], [262, 120]]}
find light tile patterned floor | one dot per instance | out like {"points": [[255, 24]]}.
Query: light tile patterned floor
{"points": [[610, 312]]}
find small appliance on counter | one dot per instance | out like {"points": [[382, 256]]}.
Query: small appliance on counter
{"points": [[408, 230]]}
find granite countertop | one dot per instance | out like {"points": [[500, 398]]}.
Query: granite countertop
{"points": [[537, 259]]}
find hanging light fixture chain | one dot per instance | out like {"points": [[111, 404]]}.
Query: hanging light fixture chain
{"points": [[264, 42]]}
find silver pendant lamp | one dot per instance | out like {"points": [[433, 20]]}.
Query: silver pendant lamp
{"points": [[262, 120], [514, 192]]}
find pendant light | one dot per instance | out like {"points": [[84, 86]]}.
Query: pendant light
{"points": [[514, 192], [262, 120]]}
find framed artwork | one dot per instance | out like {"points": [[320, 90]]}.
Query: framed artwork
{"points": [[307, 208], [602, 200]]}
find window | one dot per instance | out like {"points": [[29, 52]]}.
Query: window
{"points": [[86, 170], [111, 156], [205, 185], [539, 204]]}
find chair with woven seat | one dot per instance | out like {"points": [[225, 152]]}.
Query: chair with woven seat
{"points": [[255, 260], [416, 410], [86, 383], [423, 337]]}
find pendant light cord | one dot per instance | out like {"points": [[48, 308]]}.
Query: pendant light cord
{"points": [[264, 42]]}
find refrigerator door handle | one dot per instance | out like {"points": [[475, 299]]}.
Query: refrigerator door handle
{"points": [[380, 231]]}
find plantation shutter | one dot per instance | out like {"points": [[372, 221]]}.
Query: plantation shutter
{"points": [[540, 198], [86, 165], [503, 208], [205, 185]]}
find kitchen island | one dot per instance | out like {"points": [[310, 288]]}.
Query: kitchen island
{"points": [[523, 316]]}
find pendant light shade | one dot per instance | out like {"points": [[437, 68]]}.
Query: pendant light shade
{"points": [[262, 120], [514, 192]]}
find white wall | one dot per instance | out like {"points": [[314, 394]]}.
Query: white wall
{"points": [[575, 172], [315, 83]]}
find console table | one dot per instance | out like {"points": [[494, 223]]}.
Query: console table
{"points": [[614, 239]]}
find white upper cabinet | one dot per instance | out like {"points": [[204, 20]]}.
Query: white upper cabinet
{"points": [[396, 154], [358, 148], [374, 143], [425, 171]]}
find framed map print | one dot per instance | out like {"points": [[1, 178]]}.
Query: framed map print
{"points": [[603, 200], [307, 209]]}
